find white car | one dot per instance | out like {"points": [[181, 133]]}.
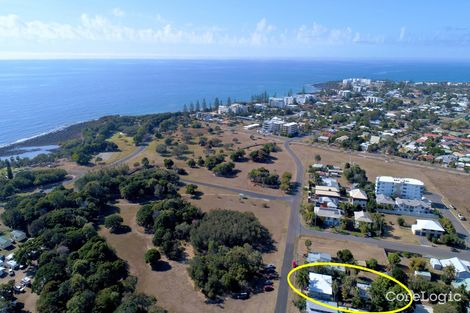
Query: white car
{"points": [[461, 217]]}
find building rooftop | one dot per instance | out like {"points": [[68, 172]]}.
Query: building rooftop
{"points": [[320, 284], [398, 180], [459, 264], [362, 216], [323, 212], [429, 225], [316, 308], [413, 202], [383, 199], [318, 257], [358, 194]]}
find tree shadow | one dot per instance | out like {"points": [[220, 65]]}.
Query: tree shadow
{"points": [[124, 229], [234, 174], [197, 195], [161, 266]]}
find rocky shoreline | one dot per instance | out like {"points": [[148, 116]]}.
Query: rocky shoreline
{"points": [[52, 138]]}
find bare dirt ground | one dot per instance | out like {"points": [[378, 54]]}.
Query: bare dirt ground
{"points": [[453, 187], [231, 141], [396, 232], [331, 246], [172, 285]]}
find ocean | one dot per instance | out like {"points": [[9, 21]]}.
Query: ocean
{"points": [[43, 95]]}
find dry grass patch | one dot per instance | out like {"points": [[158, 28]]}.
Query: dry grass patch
{"points": [[172, 285]]}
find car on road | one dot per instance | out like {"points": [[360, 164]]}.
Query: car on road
{"points": [[268, 288], [243, 196]]}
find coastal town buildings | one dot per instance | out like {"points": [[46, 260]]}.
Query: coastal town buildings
{"points": [[406, 188]]}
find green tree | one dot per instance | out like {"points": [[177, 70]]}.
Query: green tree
{"points": [[113, 222], [418, 264], [401, 221], [191, 189], [445, 308], [224, 169], [238, 156], [448, 274], [162, 149], [145, 162], [152, 257], [9, 171], [317, 158], [286, 184], [345, 256], [301, 278], [168, 163], [393, 259], [372, 264], [308, 244], [191, 163]]}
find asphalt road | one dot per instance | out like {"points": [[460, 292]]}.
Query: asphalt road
{"points": [[249, 194], [293, 232], [425, 250], [134, 153]]}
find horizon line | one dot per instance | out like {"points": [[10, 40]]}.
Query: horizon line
{"points": [[97, 56]]}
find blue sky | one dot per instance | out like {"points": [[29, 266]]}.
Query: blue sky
{"points": [[412, 29]]}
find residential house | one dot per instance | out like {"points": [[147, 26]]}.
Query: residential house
{"points": [[313, 257], [427, 228], [5, 242], [320, 288], [462, 267], [423, 274], [18, 235], [358, 197], [326, 191], [435, 264], [362, 217], [330, 217]]}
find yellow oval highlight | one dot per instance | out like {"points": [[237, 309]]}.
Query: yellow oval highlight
{"points": [[350, 266]]}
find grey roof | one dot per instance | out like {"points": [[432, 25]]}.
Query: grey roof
{"points": [[413, 202], [383, 199]]}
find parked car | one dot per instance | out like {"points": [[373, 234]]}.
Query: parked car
{"points": [[11, 272], [19, 288], [26, 281], [269, 267], [272, 276], [268, 288], [268, 282], [461, 217], [240, 295]]}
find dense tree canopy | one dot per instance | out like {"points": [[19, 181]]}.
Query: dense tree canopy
{"points": [[230, 228]]}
